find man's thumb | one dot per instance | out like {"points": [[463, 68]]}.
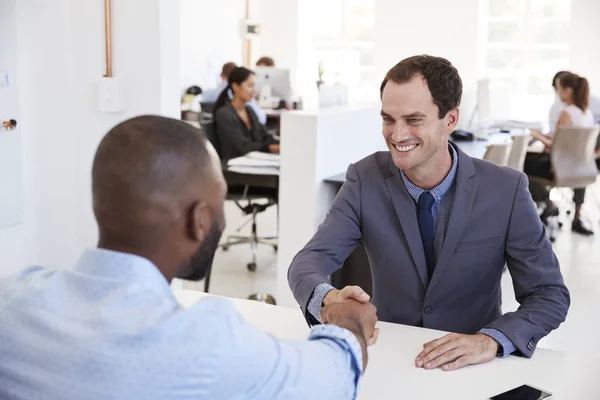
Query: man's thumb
{"points": [[356, 293]]}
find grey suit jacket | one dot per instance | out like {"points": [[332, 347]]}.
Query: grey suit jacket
{"points": [[494, 221]]}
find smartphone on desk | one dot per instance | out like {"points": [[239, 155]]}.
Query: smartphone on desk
{"points": [[524, 392]]}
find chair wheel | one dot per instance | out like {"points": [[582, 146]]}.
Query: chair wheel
{"points": [[251, 267]]}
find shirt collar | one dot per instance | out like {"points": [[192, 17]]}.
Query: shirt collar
{"points": [[125, 268], [440, 190]]}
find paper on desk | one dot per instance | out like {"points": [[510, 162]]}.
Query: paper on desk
{"points": [[257, 155], [254, 170], [255, 160]]}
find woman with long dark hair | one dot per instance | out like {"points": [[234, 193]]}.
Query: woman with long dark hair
{"points": [[237, 126], [574, 91]]}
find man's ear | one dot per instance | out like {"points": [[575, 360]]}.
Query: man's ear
{"points": [[198, 222], [451, 120]]}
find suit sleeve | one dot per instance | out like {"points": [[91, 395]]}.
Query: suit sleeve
{"points": [[335, 239], [537, 280], [230, 136]]}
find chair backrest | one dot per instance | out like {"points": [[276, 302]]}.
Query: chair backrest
{"points": [[207, 107], [516, 159], [210, 132], [572, 157], [498, 153]]}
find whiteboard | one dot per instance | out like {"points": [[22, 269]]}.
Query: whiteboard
{"points": [[11, 157]]}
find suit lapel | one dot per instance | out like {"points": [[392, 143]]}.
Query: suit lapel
{"points": [[405, 209], [464, 197]]}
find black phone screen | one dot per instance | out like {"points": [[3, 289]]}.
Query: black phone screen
{"points": [[523, 393]]}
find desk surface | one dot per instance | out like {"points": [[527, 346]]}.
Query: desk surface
{"points": [[391, 372]]}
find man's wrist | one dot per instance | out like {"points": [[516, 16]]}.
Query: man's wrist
{"points": [[328, 296]]}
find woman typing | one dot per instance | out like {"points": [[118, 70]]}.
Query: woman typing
{"points": [[237, 126], [574, 92]]}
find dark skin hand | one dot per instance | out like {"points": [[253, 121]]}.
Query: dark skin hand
{"points": [[358, 318]]}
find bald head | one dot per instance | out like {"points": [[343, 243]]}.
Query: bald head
{"points": [[148, 173]]}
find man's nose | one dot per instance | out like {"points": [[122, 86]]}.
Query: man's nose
{"points": [[400, 132]]}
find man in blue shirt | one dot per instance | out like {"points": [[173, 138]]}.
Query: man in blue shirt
{"points": [[111, 327]]}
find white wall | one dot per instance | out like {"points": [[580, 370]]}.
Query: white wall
{"points": [[210, 35], [308, 141], [60, 47], [585, 52]]}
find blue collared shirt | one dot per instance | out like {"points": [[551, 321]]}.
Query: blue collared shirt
{"points": [[443, 194], [211, 96], [111, 328]]}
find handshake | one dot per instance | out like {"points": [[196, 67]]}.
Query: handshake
{"points": [[350, 308]]}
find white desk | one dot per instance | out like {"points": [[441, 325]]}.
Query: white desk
{"points": [[391, 373], [477, 148]]}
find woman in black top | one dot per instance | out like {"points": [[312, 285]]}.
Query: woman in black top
{"points": [[237, 126]]}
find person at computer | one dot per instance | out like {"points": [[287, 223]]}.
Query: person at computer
{"points": [[573, 92], [438, 227], [211, 96], [265, 62], [237, 126], [111, 328]]}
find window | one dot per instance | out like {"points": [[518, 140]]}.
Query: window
{"points": [[525, 42], [342, 41]]}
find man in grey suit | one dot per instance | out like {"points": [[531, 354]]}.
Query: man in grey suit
{"points": [[438, 228]]}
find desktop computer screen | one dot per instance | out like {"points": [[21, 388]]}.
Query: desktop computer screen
{"points": [[277, 79]]}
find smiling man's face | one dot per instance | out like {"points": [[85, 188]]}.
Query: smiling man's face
{"points": [[412, 128]]}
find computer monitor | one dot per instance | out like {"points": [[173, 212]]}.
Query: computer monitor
{"points": [[277, 79]]}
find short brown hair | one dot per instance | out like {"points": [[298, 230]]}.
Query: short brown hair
{"points": [[227, 68], [440, 75], [265, 61]]}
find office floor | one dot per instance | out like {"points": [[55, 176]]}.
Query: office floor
{"points": [[579, 257]]}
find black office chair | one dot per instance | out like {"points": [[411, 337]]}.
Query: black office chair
{"points": [[206, 111], [247, 199]]}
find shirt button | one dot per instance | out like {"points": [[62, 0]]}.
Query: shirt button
{"points": [[427, 310]]}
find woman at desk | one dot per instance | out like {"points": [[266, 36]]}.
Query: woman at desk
{"points": [[574, 92], [237, 125]]}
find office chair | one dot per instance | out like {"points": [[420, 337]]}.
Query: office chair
{"points": [[516, 159], [573, 162], [498, 153], [251, 204], [206, 111]]}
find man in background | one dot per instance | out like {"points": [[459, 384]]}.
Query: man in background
{"points": [[110, 328], [211, 95], [265, 62]]}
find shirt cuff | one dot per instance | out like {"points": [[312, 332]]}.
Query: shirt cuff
{"points": [[316, 301], [347, 341], [508, 347]]}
